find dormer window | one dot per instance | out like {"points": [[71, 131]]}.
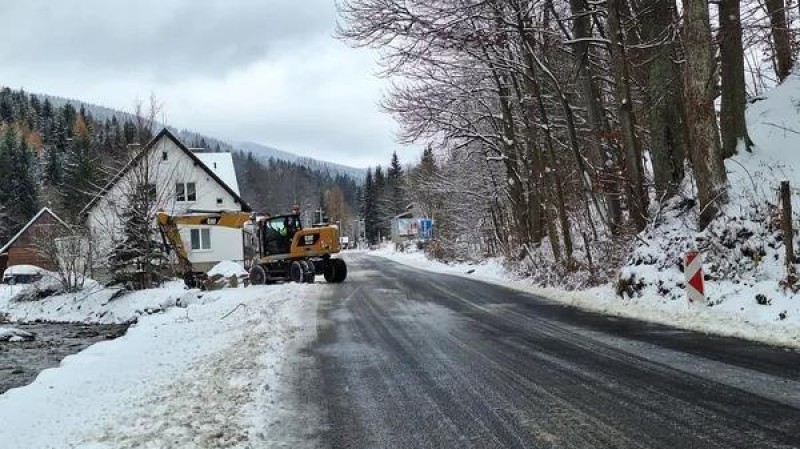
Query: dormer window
{"points": [[185, 192]]}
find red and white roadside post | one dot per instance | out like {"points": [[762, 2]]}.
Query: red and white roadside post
{"points": [[693, 270]]}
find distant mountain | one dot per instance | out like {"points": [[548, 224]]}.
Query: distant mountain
{"points": [[194, 139], [265, 152]]}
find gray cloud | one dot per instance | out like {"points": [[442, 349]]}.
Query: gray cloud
{"points": [[266, 71], [164, 38]]}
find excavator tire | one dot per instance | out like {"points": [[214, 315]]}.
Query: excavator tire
{"points": [[329, 271], [296, 271], [335, 271], [309, 272], [341, 270], [258, 276]]}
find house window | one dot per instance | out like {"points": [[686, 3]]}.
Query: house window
{"points": [[163, 155], [185, 191], [201, 239], [219, 201]]}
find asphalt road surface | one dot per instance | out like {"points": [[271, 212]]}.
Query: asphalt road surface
{"points": [[411, 359]]}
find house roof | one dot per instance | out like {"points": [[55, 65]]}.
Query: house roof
{"points": [[146, 150], [222, 165], [29, 224]]}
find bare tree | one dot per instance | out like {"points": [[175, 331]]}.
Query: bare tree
{"points": [[781, 40], [67, 250], [733, 126], [705, 152]]}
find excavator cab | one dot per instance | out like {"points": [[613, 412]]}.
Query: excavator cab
{"points": [[277, 233]]}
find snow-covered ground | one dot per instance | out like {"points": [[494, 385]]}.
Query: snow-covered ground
{"points": [[215, 373], [93, 304], [737, 317]]}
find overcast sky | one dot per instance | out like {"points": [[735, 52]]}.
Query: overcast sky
{"points": [[267, 71]]}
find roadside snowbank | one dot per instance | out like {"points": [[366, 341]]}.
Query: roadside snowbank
{"points": [[736, 317], [94, 304], [204, 376]]}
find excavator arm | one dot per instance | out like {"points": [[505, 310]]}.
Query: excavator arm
{"points": [[169, 231]]}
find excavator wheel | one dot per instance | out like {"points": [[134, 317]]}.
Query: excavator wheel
{"points": [[258, 276], [309, 273], [341, 270], [335, 271], [296, 271]]}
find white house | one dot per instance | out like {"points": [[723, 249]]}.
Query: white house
{"points": [[182, 181]]}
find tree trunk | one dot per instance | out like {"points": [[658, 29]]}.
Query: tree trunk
{"points": [[630, 142], [601, 157], [782, 55], [547, 161], [665, 121], [731, 52], [704, 147]]}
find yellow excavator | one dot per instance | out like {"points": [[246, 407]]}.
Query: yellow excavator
{"points": [[285, 250]]}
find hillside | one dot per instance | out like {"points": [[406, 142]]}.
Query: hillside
{"points": [[265, 153], [55, 154], [195, 139]]}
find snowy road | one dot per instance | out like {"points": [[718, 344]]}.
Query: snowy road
{"points": [[412, 359]]}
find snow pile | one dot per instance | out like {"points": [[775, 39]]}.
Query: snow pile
{"points": [[227, 269], [743, 249], [94, 304], [210, 375], [47, 284], [15, 335]]}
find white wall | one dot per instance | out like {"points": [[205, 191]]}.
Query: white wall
{"points": [[103, 222]]}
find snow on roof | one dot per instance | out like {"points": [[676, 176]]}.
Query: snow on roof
{"points": [[222, 166], [28, 225]]}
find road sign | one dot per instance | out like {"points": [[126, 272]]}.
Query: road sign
{"points": [[693, 269]]}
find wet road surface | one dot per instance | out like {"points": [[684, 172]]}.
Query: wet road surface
{"points": [[411, 359]]}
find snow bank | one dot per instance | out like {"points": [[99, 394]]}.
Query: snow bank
{"points": [[209, 375], [227, 269], [94, 304], [735, 317], [14, 335]]}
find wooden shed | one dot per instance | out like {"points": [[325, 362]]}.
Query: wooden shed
{"points": [[22, 248]]}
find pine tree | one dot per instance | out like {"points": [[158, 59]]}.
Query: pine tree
{"points": [[23, 185], [19, 197], [6, 149], [395, 191], [383, 212], [82, 175], [53, 169], [137, 260], [369, 209]]}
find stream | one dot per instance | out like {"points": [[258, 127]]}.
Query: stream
{"points": [[21, 362]]}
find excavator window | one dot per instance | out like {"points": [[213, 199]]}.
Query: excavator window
{"points": [[277, 233]]}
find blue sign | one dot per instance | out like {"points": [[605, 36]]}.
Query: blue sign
{"points": [[426, 228]]}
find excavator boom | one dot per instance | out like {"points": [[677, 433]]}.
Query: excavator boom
{"points": [[169, 230]]}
